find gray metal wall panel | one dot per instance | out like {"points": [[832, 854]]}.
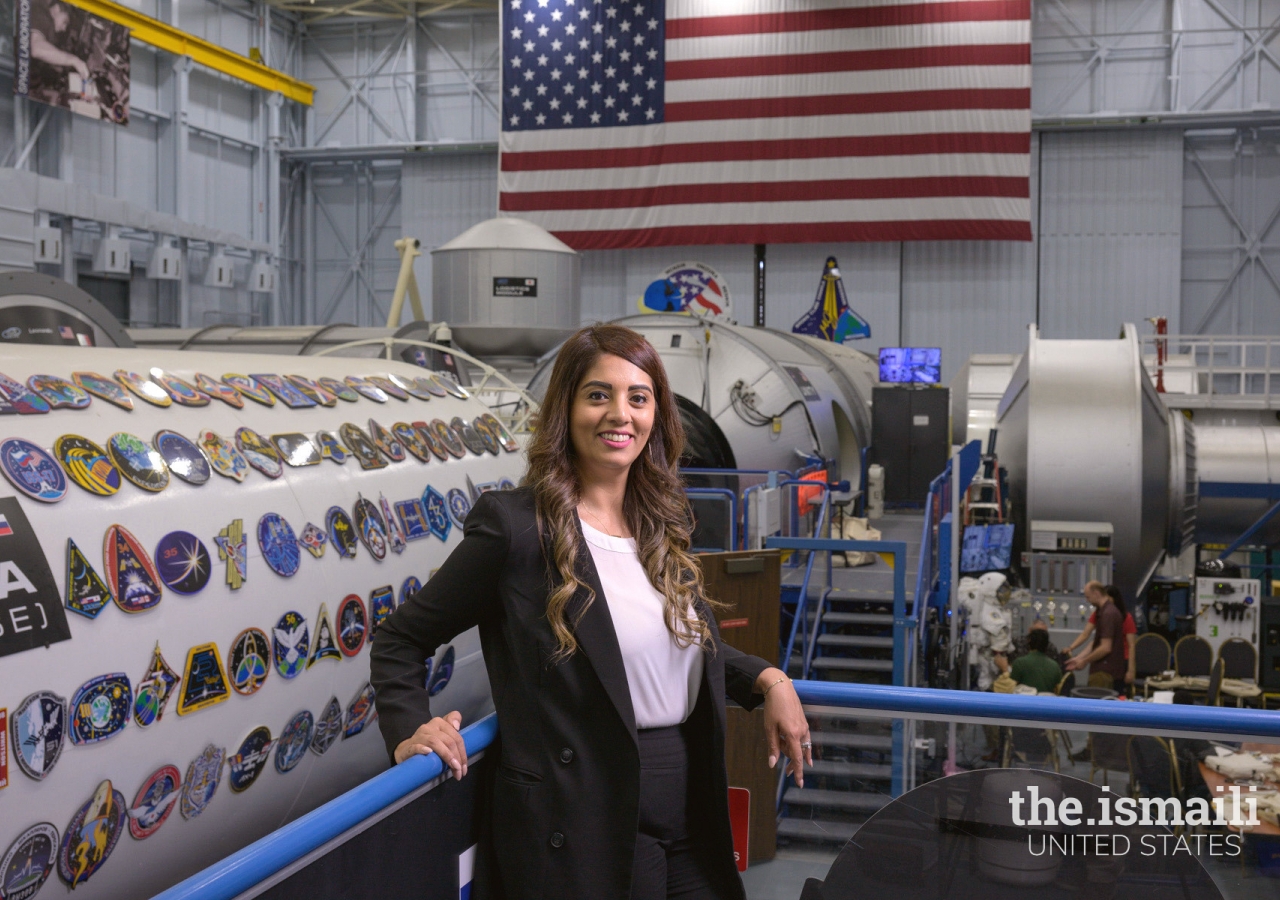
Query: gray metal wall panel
{"points": [[1110, 231]]}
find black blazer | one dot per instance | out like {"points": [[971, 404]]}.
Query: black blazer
{"points": [[565, 799]]}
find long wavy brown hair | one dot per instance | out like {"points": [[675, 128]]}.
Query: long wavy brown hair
{"points": [[655, 505]]}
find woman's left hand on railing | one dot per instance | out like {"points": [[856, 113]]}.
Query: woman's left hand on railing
{"points": [[785, 724]]}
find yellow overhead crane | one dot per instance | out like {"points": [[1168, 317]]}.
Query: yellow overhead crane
{"points": [[180, 43]]}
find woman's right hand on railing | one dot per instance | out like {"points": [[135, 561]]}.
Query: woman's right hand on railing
{"points": [[441, 737]]}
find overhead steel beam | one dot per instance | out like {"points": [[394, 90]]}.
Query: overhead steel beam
{"points": [[206, 53]]}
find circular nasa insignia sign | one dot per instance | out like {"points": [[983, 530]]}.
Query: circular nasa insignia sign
{"points": [[183, 457], [338, 388], [328, 727], [371, 528], [154, 801], [143, 387], [249, 661], [91, 835], [250, 388], [26, 865], [246, 764], [58, 392], [183, 562], [366, 389], [352, 624], [342, 532], [459, 506], [37, 728], [448, 438], [87, 464], [260, 452], [386, 442], [225, 459], [294, 741], [290, 643], [32, 471], [103, 388], [279, 545], [138, 462]]}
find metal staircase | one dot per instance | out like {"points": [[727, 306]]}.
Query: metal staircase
{"points": [[851, 622]]}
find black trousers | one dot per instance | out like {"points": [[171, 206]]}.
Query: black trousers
{"points": [[671, 861]]}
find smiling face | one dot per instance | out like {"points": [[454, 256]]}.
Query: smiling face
{"points": [[611, 417]]}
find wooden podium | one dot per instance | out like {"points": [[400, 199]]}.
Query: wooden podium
{"points": [[750, 582]]}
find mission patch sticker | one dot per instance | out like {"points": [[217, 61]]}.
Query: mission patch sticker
{"points": [[382, 602], [249, 661], [250, 388], [220, 391], [259, 452], [87, 593], [360, 712], [201, 782], [27, 863], [100, 708], [37, 728], [313, 539], [313, 391], [154, 801], [413, 519], [91, 835], [361, 447], [154, 690], [430, 440], [246, 764], [338, 388], [388, 387], [294, 741], [183, 457], [31, 613], [279, 545], [144, 388], [226, 460], [134, 582], [204, 682], [328, 727], [395, 535], [290, 642], [410, 587], [352, 624], [296, 449], [411, 441], [366, 389], [181, 391], [232, 551], [386, 442], [24, 401], [410, 386], [446, 436], [487, 435], [87, 464], [103, 388], [324, 646], [330, 447], [371, 528], [467, 432], [138, 462], [183, 562], [444, 671], [504, 436], [58, 392], [437, 510], [32, 471], [289, 395], [459, 506], [342, 532], [432, 385]]}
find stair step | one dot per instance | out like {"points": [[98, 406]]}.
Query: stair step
{"points": [[853, 665], [852, 741], [854, 800], [839, 769], [817, 830], [854, 640], [843, 618]]}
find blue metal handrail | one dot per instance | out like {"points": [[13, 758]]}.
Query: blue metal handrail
{"points": [[1216, 720], [801, 613], [251, 865], [733, 508]]}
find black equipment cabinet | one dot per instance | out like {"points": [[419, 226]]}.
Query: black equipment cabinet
{"points": [[910, 439], [1269, 645]]}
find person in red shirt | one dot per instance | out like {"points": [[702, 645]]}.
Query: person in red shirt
{"points": [[1107, 653], [1130, 629]]}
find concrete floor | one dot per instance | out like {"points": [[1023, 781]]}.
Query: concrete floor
{"points": [[782, 877]]}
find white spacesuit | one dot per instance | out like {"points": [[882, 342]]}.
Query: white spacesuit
{"points": [[986, 600]]}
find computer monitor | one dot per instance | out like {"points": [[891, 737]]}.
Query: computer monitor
{"points": [[910, 365]]}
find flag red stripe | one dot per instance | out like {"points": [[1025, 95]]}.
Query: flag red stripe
{"points": [[811, 233], [768, 192], [851, 61], [844, 104], [736, 151], [865, 17]]}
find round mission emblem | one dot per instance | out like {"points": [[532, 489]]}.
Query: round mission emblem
{"points": [[26, 865], [249, 661]]}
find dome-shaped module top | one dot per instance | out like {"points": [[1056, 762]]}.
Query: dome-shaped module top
{"points": [[507, 233]]}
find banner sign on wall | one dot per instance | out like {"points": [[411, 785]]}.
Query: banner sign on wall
{"points": [[71, 58], [31, 612], [689, 287]]}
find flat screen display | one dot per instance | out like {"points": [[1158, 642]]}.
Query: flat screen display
{"points": [[910, 365]]}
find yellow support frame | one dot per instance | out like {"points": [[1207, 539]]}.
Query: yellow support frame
{"points": [[180, 43]]}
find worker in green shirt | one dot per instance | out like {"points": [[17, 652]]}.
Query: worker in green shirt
{"points": [[1035, 668]]}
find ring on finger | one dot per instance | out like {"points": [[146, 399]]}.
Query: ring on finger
{"points": [[806, 744]]}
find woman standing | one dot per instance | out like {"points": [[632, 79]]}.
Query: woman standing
{"points": [[607, 670]]}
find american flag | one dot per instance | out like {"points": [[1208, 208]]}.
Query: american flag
{"points": [[632, 123]]}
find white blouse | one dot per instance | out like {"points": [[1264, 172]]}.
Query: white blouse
{"points": [[664, 677]]}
